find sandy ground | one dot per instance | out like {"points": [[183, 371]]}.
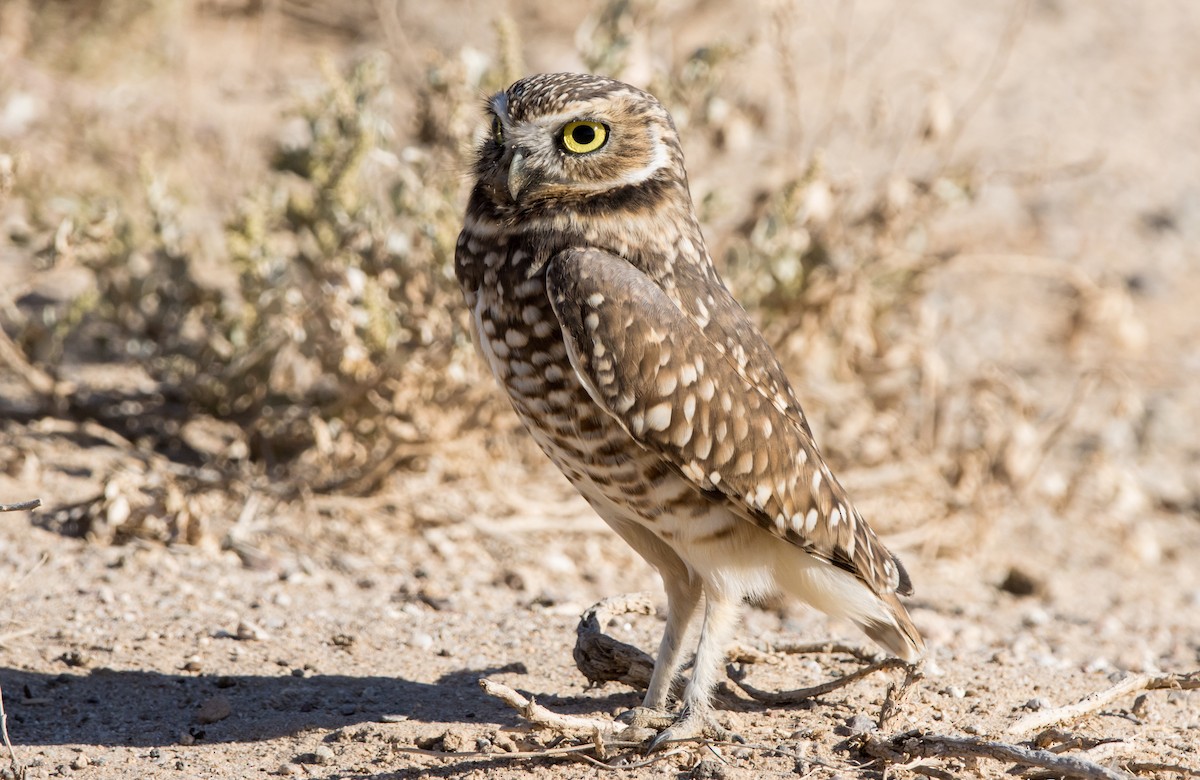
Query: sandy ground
{"points": [[337, 637]]}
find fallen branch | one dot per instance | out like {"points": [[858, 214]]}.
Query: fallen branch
{"points": [[914, 746], [1094, 701], [603, 659], [21, 506], [803, 694], [541, 716]]}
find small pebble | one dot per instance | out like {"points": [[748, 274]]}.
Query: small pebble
{"points": [[249, 632], [709, 769], [455, 741], [323, 755], [81, 762], [861, 724], [214, 709]]}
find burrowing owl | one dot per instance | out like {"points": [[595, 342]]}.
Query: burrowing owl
{"points": [[595, 303]]}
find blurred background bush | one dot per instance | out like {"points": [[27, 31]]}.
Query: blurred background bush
{"points": [[227, 230]]}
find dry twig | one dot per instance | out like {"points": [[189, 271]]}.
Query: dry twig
{"points": [[828, 646], [1094, 701], [803, 694], [595, 728], [572, 751], [540, 716], [21, 506], [915, 745], [1145, 767], [898, 695], [15, 766]]}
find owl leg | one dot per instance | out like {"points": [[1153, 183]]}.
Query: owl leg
{"points": [[696, 719], [683, 597]]}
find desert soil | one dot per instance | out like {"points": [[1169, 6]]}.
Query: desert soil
{"points": [[337, 636]]}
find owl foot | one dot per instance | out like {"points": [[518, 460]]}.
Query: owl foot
{"points": [[647, 718], [692, 725], [644, 723]]}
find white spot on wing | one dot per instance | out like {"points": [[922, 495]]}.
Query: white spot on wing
{"points": [[658, 418]]}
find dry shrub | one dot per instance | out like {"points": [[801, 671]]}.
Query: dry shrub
{"points": [[336, 319]]}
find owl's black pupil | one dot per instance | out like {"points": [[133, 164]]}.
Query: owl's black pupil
{"points": [[583, 134]]}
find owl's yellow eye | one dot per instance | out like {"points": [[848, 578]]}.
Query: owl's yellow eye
{"points": [[582, 136], [497, 130]]}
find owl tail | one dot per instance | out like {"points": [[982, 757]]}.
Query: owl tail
{"points": [[894, 632]]}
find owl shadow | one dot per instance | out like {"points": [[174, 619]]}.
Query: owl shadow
{"points": [[134, 708]]}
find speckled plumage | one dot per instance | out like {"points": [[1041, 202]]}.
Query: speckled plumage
{"points": [[595, 303]]}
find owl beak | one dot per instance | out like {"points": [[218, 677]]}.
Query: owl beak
{"points": [[518, 176]]}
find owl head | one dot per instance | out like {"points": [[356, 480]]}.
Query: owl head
{"points": [[569, 138]]}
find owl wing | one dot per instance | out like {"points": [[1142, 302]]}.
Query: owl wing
{"points": [[688, 399]]}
